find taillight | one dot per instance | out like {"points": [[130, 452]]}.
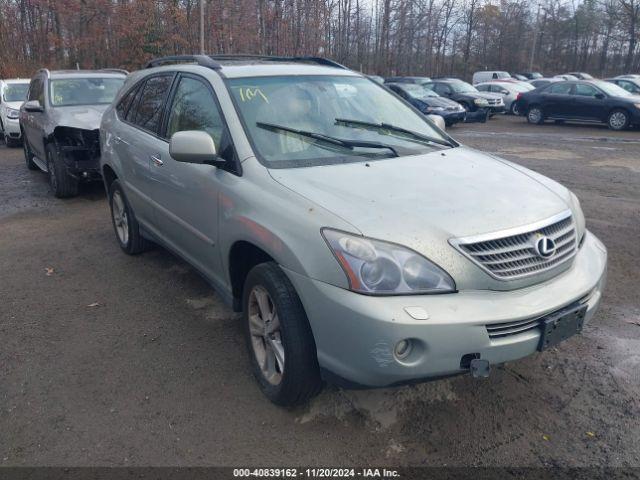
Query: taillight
{"points": [[518, 96]]}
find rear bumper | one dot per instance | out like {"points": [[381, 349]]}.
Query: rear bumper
{"points": [[356, 334]]}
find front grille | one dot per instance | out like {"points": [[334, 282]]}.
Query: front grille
{"points": [[495, 101], [514, 256]]}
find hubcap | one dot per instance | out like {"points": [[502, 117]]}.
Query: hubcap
{"points": [[120, 220], [266, 338], [534, 115], [618, 120]]}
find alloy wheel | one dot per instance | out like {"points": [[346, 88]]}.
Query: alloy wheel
{"points": [[266, 337], [120, 219], [535, 114], [617, 120]]}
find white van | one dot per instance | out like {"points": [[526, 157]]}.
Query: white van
{"points": [[480, 77]]}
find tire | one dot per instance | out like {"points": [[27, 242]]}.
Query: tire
{"points": [[296, 378], [514, 110], [10, 142], [124, 222], [618, 120], [61, 183], [28, 156], [535, 115]]}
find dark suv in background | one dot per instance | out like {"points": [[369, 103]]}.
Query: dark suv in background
{"points": [[60, 124], [429, 102], [466, 95]]}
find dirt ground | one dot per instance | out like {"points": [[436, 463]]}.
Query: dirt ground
{"points": [[114, 360]]}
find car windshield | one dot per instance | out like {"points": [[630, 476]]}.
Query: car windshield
{"points": [[502, 75], [299, 121], [612, 89], [462, 87], [418, 91], [16, 92], [84, 91]]}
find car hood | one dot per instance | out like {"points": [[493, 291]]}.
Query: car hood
{"points": [[440, 102], [87, 117], [13, 105], [423, 201]]}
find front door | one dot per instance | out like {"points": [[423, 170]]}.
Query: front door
{"points": [[587, 105], [33, 124]]}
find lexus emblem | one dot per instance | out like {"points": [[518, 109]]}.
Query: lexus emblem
{"points": [[545, 247]]}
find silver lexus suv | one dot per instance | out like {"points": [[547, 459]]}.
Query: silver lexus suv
{"points": [[364, 246]]}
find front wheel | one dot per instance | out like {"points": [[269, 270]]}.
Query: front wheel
{"points": [[514, 110], [618, 120], [535, 115], [279, 338], [61, 183]]}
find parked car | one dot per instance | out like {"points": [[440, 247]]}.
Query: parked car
{"points": [[362, 245], [429, 102], [540, 82], [532, 75], [13, 93], [60, 122], [629, 75], [581, 75], [486, 76], [509, 91], [630, 84], [417, 80], [566, 76], [583, 100], [466, 95], [517, 76]]}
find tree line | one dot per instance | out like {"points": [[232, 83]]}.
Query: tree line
{"points": [[384, 37]]}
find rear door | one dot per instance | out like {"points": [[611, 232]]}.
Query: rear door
{"points": [[587, 105], [138, 142], [187, 194]]}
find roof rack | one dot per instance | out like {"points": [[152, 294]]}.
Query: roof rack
{"points": [[276, 58], [202, 60]]}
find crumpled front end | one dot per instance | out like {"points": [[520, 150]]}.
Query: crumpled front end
{"points": [[80, 150]]}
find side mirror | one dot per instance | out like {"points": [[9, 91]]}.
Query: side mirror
{"points": [[33, 106], [194, 146], [438, 120], [599, 96]]}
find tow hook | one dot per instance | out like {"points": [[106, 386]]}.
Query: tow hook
{"points": [[479, 368]]}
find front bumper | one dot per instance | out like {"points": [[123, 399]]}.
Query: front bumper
{"points": [[355, 334], [12, 128], [453, 117]]}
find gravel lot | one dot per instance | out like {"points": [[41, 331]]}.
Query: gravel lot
{"points": [[114, 360]]}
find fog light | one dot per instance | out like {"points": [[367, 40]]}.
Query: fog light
{"points": [[403, 349]]}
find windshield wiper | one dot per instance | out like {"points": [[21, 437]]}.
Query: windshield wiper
{"points": [[321, 137], [394, 128]]}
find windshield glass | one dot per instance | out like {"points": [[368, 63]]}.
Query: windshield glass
{"points": [[462, 87], [612, 89], [503, 75], [84, 91], [418, 91], [16, 92], [317, 104]]}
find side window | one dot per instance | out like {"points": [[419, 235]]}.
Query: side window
{"points": [[125, 102], [585, 90], [560, 88], [440, 88], [149, 110], [628, 86], [194, 108], [483, 88]]}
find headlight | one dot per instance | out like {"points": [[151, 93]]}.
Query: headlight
{"points": [[480, 101], [578, 216], [375, 267], [11, 113], [637, 105]]}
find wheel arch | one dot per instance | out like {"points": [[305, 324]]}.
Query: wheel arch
{"points": [[243, 256]]}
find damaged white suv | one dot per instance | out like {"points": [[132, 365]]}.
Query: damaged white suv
{"points": [[363, 244]]}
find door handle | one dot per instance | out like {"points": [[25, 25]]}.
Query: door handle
{"points": [[119, 139], [157, 161]]}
